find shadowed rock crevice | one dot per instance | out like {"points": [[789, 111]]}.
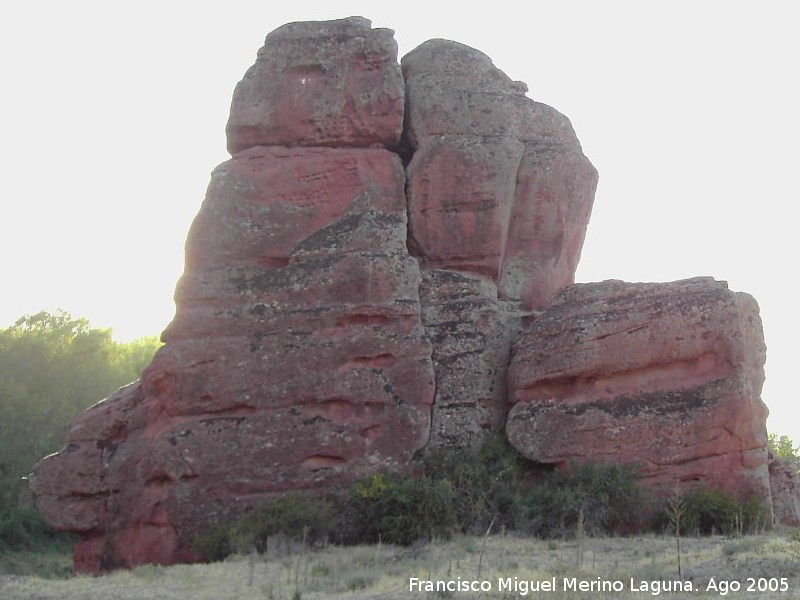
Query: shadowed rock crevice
{"points": [[499, 195]]}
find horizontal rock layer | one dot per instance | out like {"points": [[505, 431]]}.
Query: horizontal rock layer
{"points": [[664, 375]]}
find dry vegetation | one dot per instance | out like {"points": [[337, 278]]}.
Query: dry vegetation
{"points": [[292, 572]]}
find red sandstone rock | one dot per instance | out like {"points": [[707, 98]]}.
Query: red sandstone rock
{"points": [[552, 205], [461, 195], [499, 198], [326, 83], [454, 89], [498, 185], [471, 333], [297, 360], [309, 344], [664, 375], [785, 490]]}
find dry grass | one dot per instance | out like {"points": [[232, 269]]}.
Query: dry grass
{"points": [[374, 572]]}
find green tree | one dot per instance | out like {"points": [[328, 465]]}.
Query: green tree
{"points": [[53, 366], [783, 447]]}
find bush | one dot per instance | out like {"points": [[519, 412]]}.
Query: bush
{"points": [[463, 490], [25, 529], [606, 498], [400, 510], [216, 544], [488, 483], [710, 511], [296, 516], [459, 490]]}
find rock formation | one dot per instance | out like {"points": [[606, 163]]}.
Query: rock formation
{"points": [[355, 281], [667, 375], [499, 196], [785, 491]]}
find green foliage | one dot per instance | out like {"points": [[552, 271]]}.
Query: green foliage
{"points": [[607, 498], [710, 511], [459, 490], [743, 545], [216, 544], [53, 366], [488, 483], [296, 516], [24, 529], [783, 447], [400, 510]]}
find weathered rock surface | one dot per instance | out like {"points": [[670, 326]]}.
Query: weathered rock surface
{"points": [[499, 196], [471, 333], [326, 83], [785, 491], [297, 360], [352, 297], [498, 184], [667, 375]]}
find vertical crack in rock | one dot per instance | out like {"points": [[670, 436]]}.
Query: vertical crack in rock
{"points": [[485, 219]]}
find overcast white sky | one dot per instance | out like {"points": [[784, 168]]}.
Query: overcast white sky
{"points": [[112, 116]]}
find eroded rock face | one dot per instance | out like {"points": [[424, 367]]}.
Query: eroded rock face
{"points": [[667, 375], [297, 360], [325, 83], [471, 333], [785, 489], [351, 298], [499, 197], [498, 184]]}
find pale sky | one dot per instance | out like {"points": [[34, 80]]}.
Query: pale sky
{"points": [[113, 115]]}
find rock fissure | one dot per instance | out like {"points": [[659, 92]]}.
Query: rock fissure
{"points": [[660, 376]]}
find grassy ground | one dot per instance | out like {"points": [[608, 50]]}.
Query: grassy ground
{"points": [[384, 572]]}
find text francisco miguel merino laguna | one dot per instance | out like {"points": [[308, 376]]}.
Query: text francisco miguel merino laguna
{"points": [[523, 587]]}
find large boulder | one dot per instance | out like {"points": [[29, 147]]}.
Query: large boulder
{"points": [[297, 360], [785, 488], [664, 375], [324, 83], [499, 197], [498, 184]]}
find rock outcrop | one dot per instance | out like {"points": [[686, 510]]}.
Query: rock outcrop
{"points": [[355, 281], [498, 184], [297, 358], [326, 83], [499, 197], [785, 491], [667, 375]]}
